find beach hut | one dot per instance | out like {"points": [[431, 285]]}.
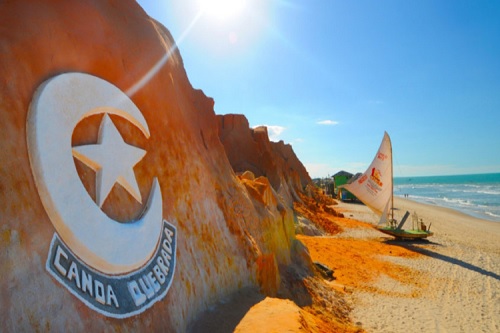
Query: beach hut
{"points": [[339, 179]]}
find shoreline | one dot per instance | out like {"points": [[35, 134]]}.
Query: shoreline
{"points": [[471, 213], [457, 275]]}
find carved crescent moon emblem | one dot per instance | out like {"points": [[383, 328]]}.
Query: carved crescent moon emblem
{"points": [[59, 104]]}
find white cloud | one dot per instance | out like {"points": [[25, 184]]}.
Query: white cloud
{"points": [[441, 170], [327, 122], [273, 131]]}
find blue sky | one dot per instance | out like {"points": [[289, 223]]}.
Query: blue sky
{"points": [[329, 77]]}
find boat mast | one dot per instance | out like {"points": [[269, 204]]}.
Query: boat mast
{"points": [[392, 185]]}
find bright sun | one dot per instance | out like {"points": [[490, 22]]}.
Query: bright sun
{"points": [[221, 9]]}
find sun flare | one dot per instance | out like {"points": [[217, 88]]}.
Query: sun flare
{"points": [[221, 9]]}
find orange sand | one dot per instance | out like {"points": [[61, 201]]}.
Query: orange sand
{"points": [[356, 263]]}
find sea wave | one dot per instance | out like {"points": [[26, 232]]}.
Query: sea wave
{"points": [[497, 216], [490, 192], [477, 195], [484, 210], [463, 202]]}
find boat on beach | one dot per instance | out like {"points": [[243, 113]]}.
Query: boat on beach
{"points": [[418, 231], [376, 190]]}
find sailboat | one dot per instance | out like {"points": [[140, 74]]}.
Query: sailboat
{"points": [[376, 190]]}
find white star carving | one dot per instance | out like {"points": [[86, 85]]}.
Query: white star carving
{"points": [[113, 160]]}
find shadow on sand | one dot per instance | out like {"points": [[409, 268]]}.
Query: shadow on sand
{"points": [[225, 316], [411, 245]]}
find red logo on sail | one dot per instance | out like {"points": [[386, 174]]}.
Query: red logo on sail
{"points": [[362, 179], [375, 176], [381, 156]]}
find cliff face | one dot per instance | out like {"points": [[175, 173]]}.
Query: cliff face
{"points": [[251, 150], [231, 232]]}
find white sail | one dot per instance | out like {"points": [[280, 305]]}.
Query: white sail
{"points": [[374, 187]]}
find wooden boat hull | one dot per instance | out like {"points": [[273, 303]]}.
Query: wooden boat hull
{"points": [[405, 234]]}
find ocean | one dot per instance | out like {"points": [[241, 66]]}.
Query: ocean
{"points": [[477, 195]]}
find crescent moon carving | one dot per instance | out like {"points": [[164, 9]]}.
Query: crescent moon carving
{"points": [[58, 105]]}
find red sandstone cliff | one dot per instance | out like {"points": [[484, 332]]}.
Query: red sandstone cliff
{"points": [[251, 150], [231, 232]]}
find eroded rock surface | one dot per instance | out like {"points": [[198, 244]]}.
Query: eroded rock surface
{"points": [[231, 232], [251, 150]]}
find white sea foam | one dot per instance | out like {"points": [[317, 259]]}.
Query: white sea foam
{"points": [[475, 195], [493, 215]]}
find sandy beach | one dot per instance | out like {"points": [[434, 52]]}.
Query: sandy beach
{"points": [[448, 283], [455, 280]]}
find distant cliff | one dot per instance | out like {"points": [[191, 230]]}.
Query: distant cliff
{"points": [[251, 150]]}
